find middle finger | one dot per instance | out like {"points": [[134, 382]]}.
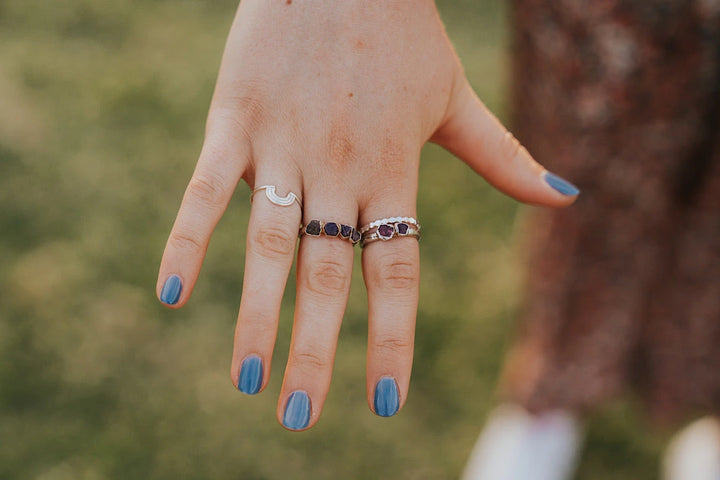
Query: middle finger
{"points": [[323, 283]]}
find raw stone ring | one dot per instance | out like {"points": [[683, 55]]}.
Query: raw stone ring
{"points": [[317, 228], [389, 228]]}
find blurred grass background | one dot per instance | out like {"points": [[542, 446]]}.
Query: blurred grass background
{"points": [[102, 115]]}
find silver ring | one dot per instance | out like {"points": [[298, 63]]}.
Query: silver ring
{"points": [[374, 237], [390, 220], [285, 201], [389, 228]]}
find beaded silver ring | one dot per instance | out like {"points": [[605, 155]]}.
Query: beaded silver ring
{"points": [[390, 220]]}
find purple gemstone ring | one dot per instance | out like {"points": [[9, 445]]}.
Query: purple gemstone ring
{"points": [[318, 228], [389, 228], [391, 221]]}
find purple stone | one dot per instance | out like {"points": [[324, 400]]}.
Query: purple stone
{"points": [[331, 229], [346, 231], [355, 236], [402, 228], [313, 228], [385, 231]]}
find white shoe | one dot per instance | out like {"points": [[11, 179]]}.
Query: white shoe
{"points": [[694, 452], [518, 446]]}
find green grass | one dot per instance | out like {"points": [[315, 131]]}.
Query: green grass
{"points": [[103, 106]]}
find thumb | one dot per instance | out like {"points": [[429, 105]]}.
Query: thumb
{"points": [[475, 135]]}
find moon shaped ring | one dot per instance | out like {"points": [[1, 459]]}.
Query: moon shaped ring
{"points": [[285, 201]]}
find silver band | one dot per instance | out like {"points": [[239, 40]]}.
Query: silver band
{"points": [[372, 237], [390, 220], [389, 228], [285, 201]]}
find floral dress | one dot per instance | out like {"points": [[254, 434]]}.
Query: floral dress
{"points": [[622, 97]]}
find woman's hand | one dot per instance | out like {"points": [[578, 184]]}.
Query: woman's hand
{"points": [[333, 101]]}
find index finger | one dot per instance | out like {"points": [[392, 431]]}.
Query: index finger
{"points": [[222, 163]]}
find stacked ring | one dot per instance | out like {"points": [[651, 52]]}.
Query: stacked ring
{"points": [[317, 228], [390, 220], [389, 228]]}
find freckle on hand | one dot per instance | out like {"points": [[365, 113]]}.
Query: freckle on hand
{"points": [[350, 94], [288, 2]]}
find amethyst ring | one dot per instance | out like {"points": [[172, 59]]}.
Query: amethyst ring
{"points": [[390, 220], [389, 228], [318, 228]]}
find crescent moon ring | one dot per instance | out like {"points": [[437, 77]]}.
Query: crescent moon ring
{"points": [[285, 201]]}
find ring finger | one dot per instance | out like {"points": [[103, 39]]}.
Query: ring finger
{"points": [[391, 271]]}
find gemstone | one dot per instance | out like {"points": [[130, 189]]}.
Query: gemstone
{"points": [[331, 229], [313, 228], [385, 231], [402, 228], [345, 231], [355, 236]]}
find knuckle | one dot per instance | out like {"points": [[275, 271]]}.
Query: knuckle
{"points": [[393, 345], [248, 104], [510, 147], [396, 274], [186, 242], [272, 242], [311, 359], [394, 164], [208, 189], [239, 115], [394, 150], [342, 143], [327, 278], [261, 323]]}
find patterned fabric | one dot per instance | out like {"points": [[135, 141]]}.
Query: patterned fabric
{"points": [[622, 97]]}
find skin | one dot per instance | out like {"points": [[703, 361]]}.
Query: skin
{"points": [[333, 101]]}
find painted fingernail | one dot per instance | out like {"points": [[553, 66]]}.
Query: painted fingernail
{"points": [[251, 375], [387, 399], [297, 411], [170, 293], [560, 184]]}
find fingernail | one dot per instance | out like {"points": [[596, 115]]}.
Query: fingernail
{"points": [[297, 411], [387, 399], [170, 293], [560, 184], [251, 375]]}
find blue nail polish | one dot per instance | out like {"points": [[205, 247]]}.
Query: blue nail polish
{"points": [[170, 293], [560, 184], [387, 399], [297, 411], [251, 375]]}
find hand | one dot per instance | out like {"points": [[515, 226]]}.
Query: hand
{"points": [[333, 101]]}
